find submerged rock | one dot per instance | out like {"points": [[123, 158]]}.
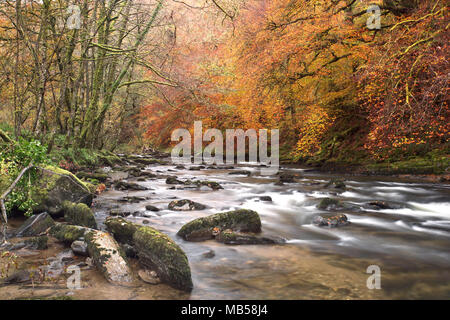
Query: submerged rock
{"points": [[240, 173], [328, 204], [266, 199], [174, 181], [287, 178], [331, 221], [133, 199], [146, 161], [186, 205], [208, 227], [56, 186], [336, 184], [381, 205], [79, 215], [210, 184], [236, 238], [158, 252], [119, 213], [151, 208], [124, 186], [150, 277], [209, 255], [35, 225]]}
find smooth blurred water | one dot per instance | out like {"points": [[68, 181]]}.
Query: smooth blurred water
{"points": [[410, 244]]}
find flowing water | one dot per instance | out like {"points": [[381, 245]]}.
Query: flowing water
{"points": [[410, 244]]}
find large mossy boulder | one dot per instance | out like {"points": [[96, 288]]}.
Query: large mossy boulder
{"points": [[207, 228], [56, 186], [156, 251], [79, 215], [35, 225]]}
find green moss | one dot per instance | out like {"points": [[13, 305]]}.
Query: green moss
{"points": [[156, 250], [79, 214], [121, 229], [66, 233], [203, 228], [60, 171]]}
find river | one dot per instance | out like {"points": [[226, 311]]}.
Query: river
{"points": [[410, 244]]}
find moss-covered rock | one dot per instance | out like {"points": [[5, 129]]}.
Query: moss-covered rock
{"points": [[328, 203], [331, 221], [35, 225], [158, 252], [210, 184], [67, 233], [205, 228], [79, 215], [174, 181], [56, 186], [336, 183], [185, 205], [121, 229], [37, 243], [108, 257]]}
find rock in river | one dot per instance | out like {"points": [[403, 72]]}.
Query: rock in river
{"points": [[67, 233], [331, 221], [105, 252], [155, 250], [108, 257], [208, 227], [79, 215], [56, 186], [121, 229], [236, 238], [124, 186], [185, 205], [35, 225], [80, 248], [158, 252]]}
